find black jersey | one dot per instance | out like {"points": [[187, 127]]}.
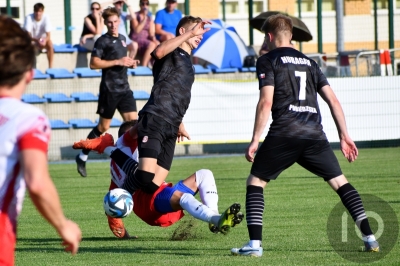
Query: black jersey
{"points": [[173, 78], [296, 80], [107, 47]]}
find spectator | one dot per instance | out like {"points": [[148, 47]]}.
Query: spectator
{"points": [[92, 27], [166, 21], [143, 32], [38, 26], [124, 17]]}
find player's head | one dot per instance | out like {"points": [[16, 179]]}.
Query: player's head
{"points": [[186, 23], [111, 20], [17, 54], [125, 126], [277, 28], [38, 9]]}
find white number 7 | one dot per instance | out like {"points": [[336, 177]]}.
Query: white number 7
{"points": [[303, 82]]}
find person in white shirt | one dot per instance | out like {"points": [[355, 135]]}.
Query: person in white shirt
{"points": [[39, 27], [25, 134]]}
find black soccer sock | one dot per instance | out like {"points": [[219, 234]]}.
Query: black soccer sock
{"points": [[254, 211], [92, 135], [353, 203], [140, 180]]}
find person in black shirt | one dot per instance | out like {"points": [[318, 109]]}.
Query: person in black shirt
{"points": [[92, 27], [289, 83], [109, 54]]}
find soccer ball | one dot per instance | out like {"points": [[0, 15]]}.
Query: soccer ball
{"points": [[118, 203]]}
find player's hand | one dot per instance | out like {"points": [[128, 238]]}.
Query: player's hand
{"points": [[349, 149], [251, 150], [71, 235], [126, 61], [199, 29], [182, 133]]}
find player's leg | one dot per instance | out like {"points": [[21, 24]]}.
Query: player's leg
{"points": [[320, 160]]}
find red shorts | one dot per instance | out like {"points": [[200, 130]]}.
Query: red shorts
{"points": [[7, 241], [143, 207]]}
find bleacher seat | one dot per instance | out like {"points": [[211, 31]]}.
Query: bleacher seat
{"points": [[59, 124], [57, 98], [140, 71], [60, 73], [64, 48], [80, 48], [32, 98], [141, 95], [81, 123], [114, 122], [247, 69], [84, 97], [85, 72], [199, 69], [217, 70], [40, 75]]}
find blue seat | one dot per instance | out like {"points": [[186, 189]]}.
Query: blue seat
{"points": [[80, 48], [64, 48], [141, 95], [59, 124], [40, 75], [60, 73], [57, 98], [32, 98], [85, 72], [247, 69], [215, 69], [81, 123], [114, 122], [84, 97], [199, 69], [140, 71]]}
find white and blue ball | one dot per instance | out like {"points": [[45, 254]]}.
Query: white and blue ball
{"points": [[118, 203]]}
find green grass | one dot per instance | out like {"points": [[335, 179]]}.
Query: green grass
{"points": [[297, 207]]}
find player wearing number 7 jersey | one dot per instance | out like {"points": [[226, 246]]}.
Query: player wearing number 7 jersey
{"points": [[289, 83]]}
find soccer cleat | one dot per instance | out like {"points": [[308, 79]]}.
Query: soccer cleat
{"points": [[81, 166], [246, 250], [371, 246], [117, 228], [213, 228], [230, 218], [97, 144]]}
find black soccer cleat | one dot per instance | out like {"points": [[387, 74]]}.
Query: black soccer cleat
{"points": [[81, 166]]}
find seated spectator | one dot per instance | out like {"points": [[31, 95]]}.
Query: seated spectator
{"points": [[92, 27], [38, 26], [166, 21], [143, 32]]}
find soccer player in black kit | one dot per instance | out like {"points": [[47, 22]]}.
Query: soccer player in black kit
{"points": [[289, 83], [110, 55]]}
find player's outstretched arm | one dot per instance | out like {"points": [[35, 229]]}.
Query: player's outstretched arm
{"points": [[347, 145], [45, 197]]}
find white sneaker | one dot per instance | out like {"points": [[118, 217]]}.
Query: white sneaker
{"points": [[246, 250]]}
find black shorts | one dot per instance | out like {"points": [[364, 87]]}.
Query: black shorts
{"points": [[156, 139], [277, 153], [110, 101]]}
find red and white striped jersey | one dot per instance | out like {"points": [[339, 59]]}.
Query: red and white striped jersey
{"points": [[22, 126]]}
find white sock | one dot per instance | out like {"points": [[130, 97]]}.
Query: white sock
{"points": [[255, 243], [207, 189], [197, 209], [83, 156], [109, 150], [370, 238]]}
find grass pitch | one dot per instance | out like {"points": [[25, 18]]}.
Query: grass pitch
{"points": [[297, 206]]}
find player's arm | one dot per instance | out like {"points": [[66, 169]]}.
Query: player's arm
{"points": [[263, 111], [348, 147], [45, 197], [168, 46], [182, 133]]}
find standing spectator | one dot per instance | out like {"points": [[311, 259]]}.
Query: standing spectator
{"points": [[166, 21], [25, 134], [289, 83], [38, 26], [109, 54], [92, 27], [143, 32]]}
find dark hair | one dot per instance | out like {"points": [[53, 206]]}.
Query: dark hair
{"points": [[38, 7], [108, 12], [185, 21], [278, 24], [17, 53], [125, 126], [94, 3]]}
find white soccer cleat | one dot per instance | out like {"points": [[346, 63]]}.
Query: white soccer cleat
{"points": [[246, 250]]}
